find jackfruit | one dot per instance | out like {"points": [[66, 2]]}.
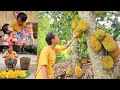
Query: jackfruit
{"points": [[99, 13], [74, 23], [116, 52], [69, 51], [95, 44], [100, 34], [69, 69], [83, 25], [107, 62], [84, 61], [78, 28], [78, 71], [109, 43], [79, 34]]}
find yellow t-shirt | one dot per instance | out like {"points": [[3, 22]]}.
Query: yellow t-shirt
{"points": [[13, 53], [48, 58], [17, 27]]}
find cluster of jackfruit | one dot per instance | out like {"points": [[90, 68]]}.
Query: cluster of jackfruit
{"points": [[99, 13], [101, 38], [79, 26], [107, 62]]}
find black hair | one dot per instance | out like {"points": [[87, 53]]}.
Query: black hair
{"points": [[22, 16], [49, 37], [5, 28]]}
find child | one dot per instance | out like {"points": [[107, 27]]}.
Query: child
{"points": [[25, 34], [8, 37]]}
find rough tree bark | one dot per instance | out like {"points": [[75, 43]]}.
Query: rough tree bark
{"points": [[74, 52], [98, 71]]}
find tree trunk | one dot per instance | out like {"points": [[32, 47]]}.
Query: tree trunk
{"points": [[98, 71], [75, 54]]}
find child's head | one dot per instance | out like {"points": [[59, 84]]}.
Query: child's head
{"points": [[6, 28], [28, 26], [21, 18]]}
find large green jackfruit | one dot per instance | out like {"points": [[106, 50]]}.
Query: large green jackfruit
{"points": [[95, 44], [83, 25], [107, 62], [100, 34], [109, 44]]}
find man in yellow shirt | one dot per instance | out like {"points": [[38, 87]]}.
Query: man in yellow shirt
{"points": [[10, 55], [20, 22], [47, 56]]}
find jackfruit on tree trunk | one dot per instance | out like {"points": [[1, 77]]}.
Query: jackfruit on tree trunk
{"points": [[109, 44], [95, 44], [116, 52], [107, 62], [83, 25], [100, 34]]}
